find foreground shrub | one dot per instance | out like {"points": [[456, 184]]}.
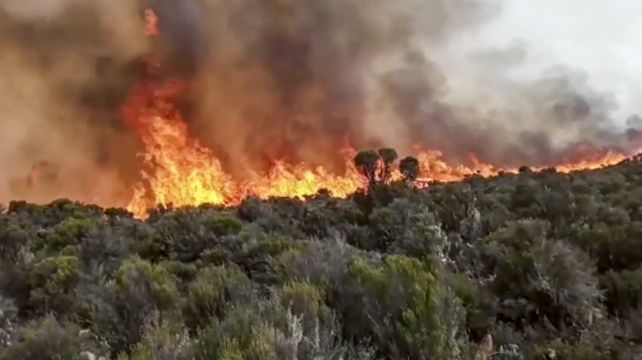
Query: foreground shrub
{"points": [[403, 307], [213, 291], [46, 339]]}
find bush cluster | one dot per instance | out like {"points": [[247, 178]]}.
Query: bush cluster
{"points": [[521, 266]]}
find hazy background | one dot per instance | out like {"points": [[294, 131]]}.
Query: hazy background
{"points": [[601, 38]]}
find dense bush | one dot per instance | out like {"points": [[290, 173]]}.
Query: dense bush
{"points": [[522, 266]]}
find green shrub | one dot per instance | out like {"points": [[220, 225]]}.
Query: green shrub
{"points": [[399, 304], [221, 224], [137, 275], [46, 339], [539, 279], [306, 301], [623, 291], [213, 291], [243, 334], [52, 283], [67, 233], [118, 311], [163, 339]]}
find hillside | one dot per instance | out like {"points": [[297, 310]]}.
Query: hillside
{"points": [[523, 266]]}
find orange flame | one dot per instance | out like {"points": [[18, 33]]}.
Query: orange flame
{"points": [[179, 171], [597, 162]]}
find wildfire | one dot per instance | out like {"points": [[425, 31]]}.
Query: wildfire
{"points": [[179, 171], [434, 168], [608, 159]]}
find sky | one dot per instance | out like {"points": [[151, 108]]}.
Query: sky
{"points": [[602, 38]]}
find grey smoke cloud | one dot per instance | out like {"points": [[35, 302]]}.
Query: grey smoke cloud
{"points": [[301, 74], [304, 74]]}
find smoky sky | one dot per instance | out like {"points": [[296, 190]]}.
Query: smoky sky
{"points": [[286, 78], [271, 79]]}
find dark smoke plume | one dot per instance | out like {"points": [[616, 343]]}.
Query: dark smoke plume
{"points": [[274, 78], [292, 78]]}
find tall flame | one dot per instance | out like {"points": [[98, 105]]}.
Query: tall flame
{"points": [[179, 171]]}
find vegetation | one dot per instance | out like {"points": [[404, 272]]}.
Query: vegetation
{"points": [[521, 266]]}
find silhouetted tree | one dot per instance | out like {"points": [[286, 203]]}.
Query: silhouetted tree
{"points": [[367, 162], [409, 168], [388, 157]]}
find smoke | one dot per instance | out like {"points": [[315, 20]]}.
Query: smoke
{"points": [[64, 72], [291, 78], [278, 78]]}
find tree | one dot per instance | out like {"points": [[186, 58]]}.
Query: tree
{"points": [[409, 168], [367, 162], [388, 157]]}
